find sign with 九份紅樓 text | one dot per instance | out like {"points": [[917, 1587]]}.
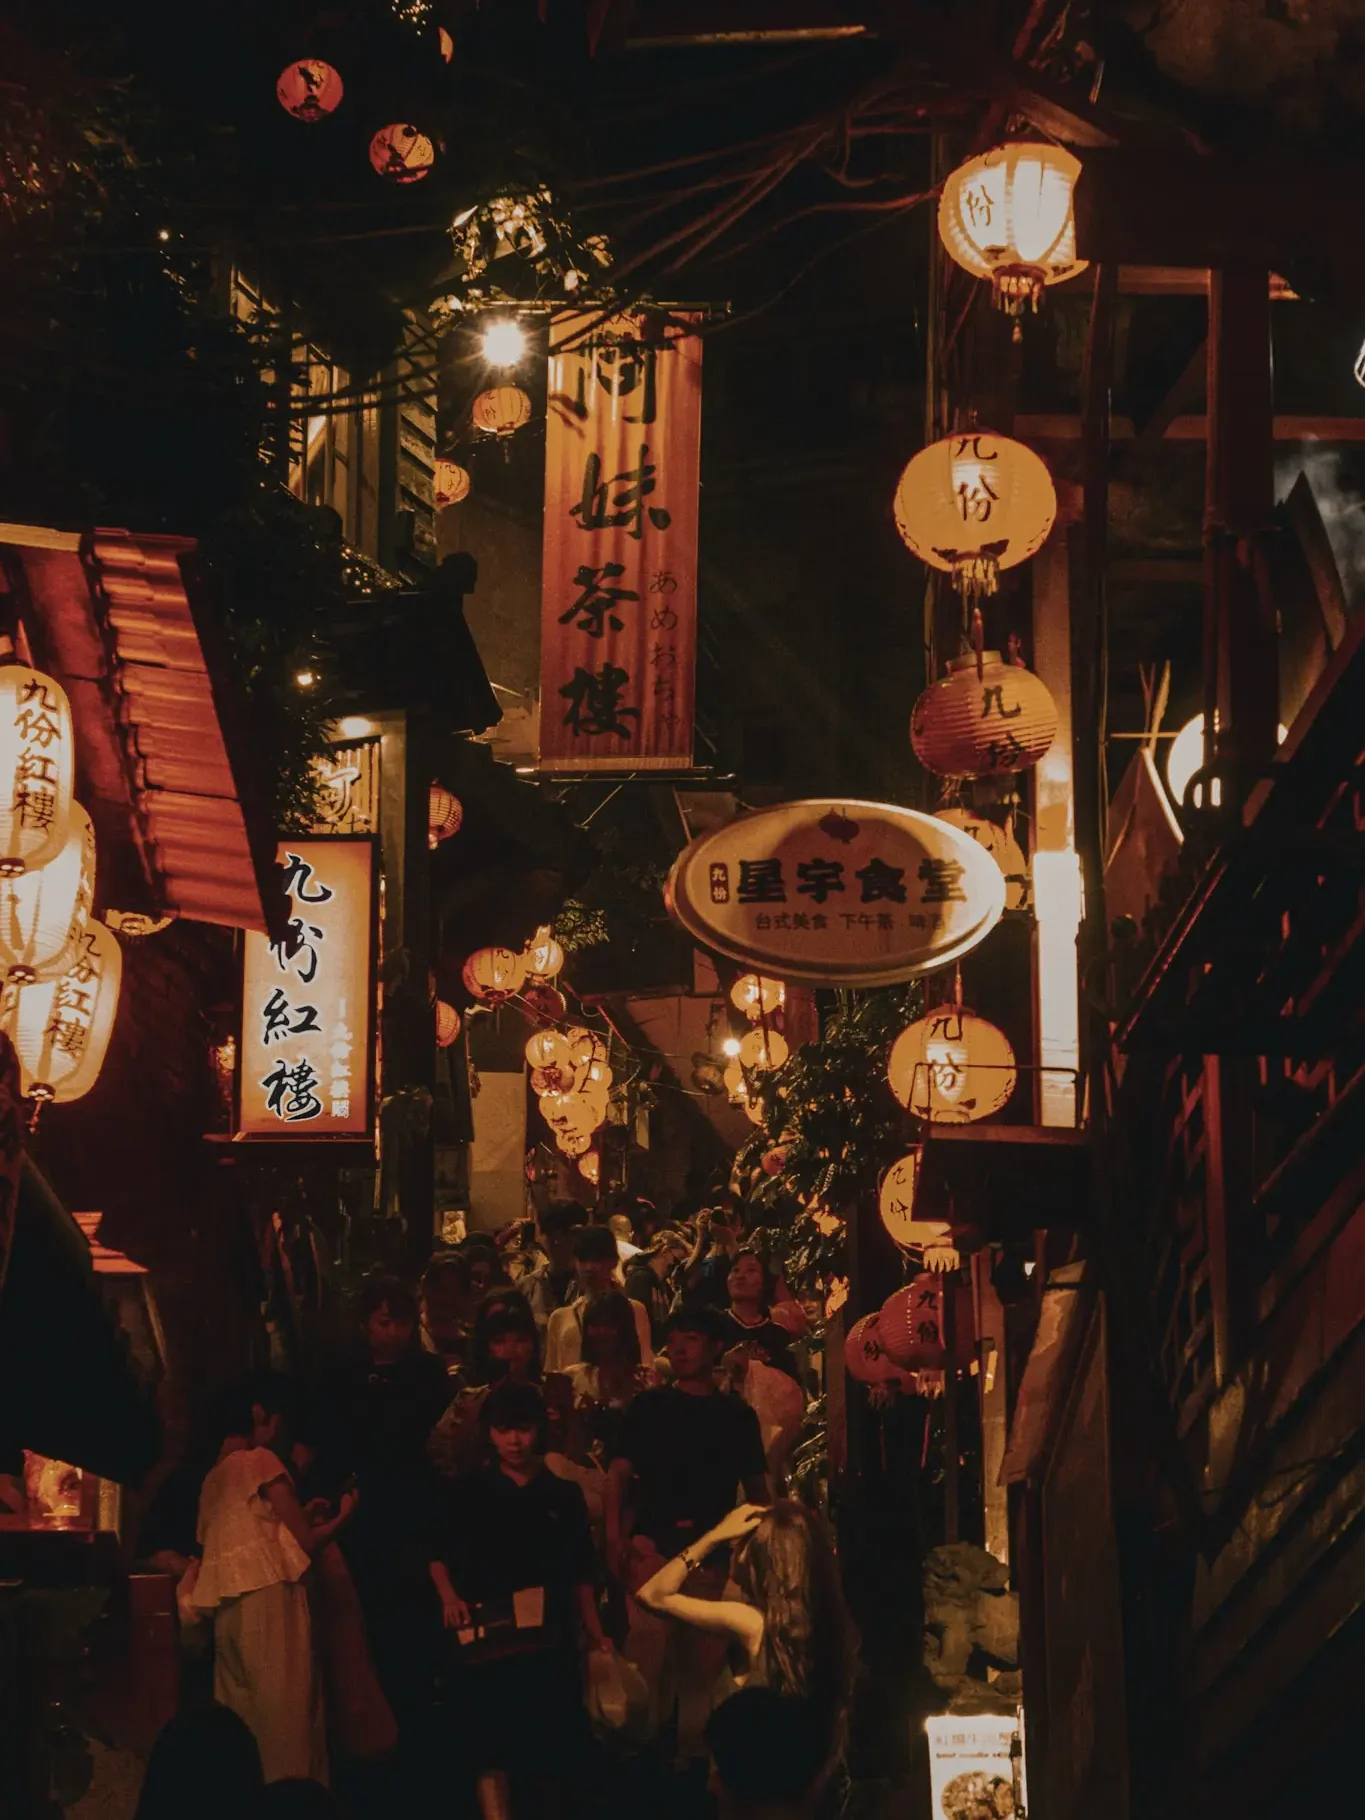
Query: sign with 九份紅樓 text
{"points": [[306, 1053], [837, 893], [618, 641]]}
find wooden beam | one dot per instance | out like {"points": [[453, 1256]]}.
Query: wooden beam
{"points": [[1186, 390], [1060, 426]]}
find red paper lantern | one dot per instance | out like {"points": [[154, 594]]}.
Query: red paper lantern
{"points": [[985, 718], [910, 1327], [447, 1024], [309, 89], [445, 815], [402, 153], [865, 1356]]}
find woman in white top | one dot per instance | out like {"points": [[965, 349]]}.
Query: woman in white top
{"points": [[257, 1546]]}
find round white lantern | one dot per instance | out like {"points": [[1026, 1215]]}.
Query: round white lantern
{"points": [[37, 762], [757, 997], [61, 1027], [590, 1167], [494, 973], [544, 957], [501, 410], [450, 484], [952, 1067], [43, 913], [1007, 215], [549, 1049], [763, 1049], [896, 1204]]}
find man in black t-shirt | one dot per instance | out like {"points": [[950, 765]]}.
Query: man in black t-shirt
{"points": [[688, 1454]]}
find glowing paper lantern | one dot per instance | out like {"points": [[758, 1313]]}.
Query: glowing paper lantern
{"points": [[757, 997], [984, 718], [61, 1027], [402, 153], [447, 1024], [597, 1079], [590, 1167], [37, 756], [501, 410], [544, 1002], [734, 1081], [975, 503], [865, 1356], [450, 484], [754, 1112], [951, 1067], [586, 1046], [1003, 848], [445, 815], [574, 1143], [309, 89], [896, 1203], [910, 1325], [544, 957], [494, 973], [763, 1049], [445, 44], [550, 1049], [43, 913], [571, 1113], [1007, 215]]}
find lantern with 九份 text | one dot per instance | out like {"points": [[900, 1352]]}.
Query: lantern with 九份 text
{"points": [[999, 842], [1008, 215], [544, 956], [951, 1067], [550, 1049], [493, 974], [985, 718], [445, 815], [402, 153], [974, 503], [756, 996], [866, 1357], [896, 1204], [449, 484], [43, 912], [61, 1027], [763, 1049], [37, 761], [910, 1325], [447, 1024], [501, 410], [309, 89]]}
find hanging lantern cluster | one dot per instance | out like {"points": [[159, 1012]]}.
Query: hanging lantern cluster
{"points": [[571, 1077], [445, 815], [1008, 215], [310, 89], [757, 997], [494, 974], [951, 1067], [984, 718], [896, 1204], [61, 968], [975, 503]]}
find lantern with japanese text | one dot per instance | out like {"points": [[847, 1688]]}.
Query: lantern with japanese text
{"points": [[975, 503], [43, 913], [985, 718], [61, 1027], [37, 759], [1003, 848], [552, 1051], [896, 1204], [449, 484], [493, 974], [544, 957], [309, 89], [447, 1024], [951, 1067], [402, 153], [864, 1354], [501, 410], [910, 1325], [763, 1049], [757, 997], [1007, 215], [445, 815]]}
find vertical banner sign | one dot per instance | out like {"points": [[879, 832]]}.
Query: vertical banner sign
{"points": [[618, 647], [305, 1058]]}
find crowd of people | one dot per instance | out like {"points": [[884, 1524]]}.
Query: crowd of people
{"points": [[541, 1504]]}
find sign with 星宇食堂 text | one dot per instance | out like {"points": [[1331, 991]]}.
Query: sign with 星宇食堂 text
{"points": [[837, 893], [305, 1056], [618, 642]]}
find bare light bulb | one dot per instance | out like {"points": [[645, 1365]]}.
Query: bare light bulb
{"points": [[730, 1046], [504, 342]]}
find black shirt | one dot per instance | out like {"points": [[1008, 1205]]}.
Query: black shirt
{"points": [[498, 1537], [377, 1419], [690, 1455], [771, 1342]]}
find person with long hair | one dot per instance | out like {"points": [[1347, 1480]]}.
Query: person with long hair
{"points": [[783, 1607], [504, 1348]]}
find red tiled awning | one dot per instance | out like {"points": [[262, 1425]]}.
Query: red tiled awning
{"points": [[168, 787]]}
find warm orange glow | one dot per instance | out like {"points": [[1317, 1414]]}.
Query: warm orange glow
{"points": [[1057, 907], [763, 1049], [494, 973], [952, 1067], [449, 484], [985, 718], [1007, 215], [402, 153], [975, 503], [757, 997], [501, 410]]}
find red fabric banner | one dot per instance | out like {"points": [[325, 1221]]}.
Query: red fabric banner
{"points": [[618, 650]]}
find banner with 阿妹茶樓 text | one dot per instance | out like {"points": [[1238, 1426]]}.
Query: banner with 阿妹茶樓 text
{"points": [[619, 587]]}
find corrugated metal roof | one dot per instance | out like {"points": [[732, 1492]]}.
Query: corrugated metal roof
{"points": [[116, 625]]}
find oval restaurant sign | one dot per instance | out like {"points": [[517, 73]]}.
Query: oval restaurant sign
{"points": [[837, 893]]}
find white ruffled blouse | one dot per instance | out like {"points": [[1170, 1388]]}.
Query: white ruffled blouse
{"points": [[245, 1545]]}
